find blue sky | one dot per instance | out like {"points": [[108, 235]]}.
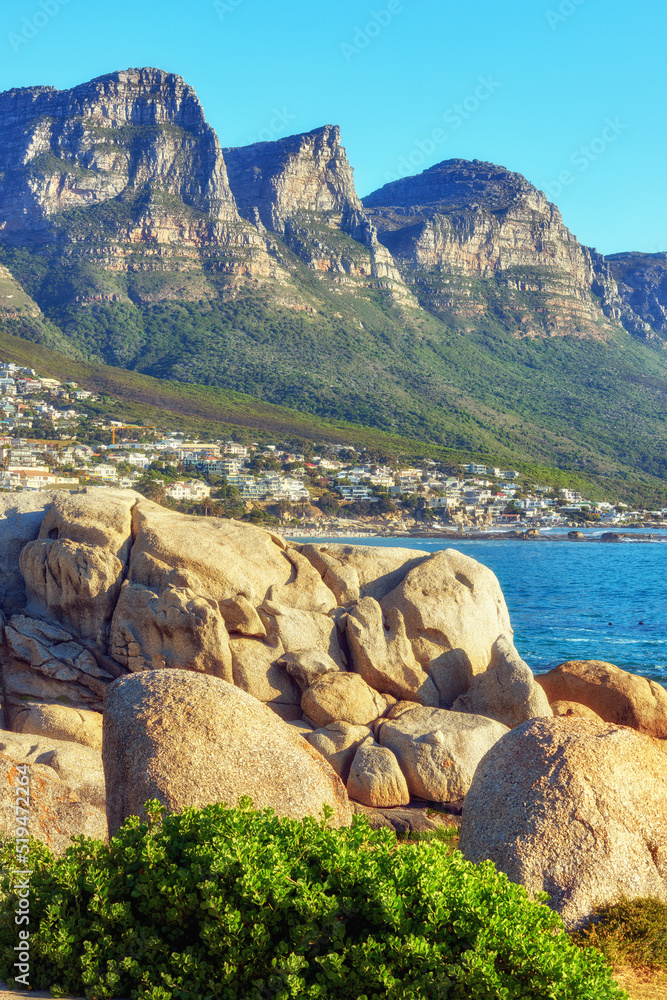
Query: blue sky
{"points": [[570, 93]]}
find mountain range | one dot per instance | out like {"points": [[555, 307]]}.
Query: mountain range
{"points": [[453, 306]]}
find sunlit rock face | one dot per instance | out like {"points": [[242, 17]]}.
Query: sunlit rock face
{"points": [[461, 221]]}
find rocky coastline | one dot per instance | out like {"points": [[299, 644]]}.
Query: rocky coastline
{"points": [[150, 654]]}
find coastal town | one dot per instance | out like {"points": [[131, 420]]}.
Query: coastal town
{"points": [[48, 440]]}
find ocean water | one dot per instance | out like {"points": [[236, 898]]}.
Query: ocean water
{"points": [[574, 600]]}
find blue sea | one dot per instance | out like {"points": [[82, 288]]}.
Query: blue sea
{"points": [[574, 600]]}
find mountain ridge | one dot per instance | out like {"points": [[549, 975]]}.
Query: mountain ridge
{"points": [[454, 305]]}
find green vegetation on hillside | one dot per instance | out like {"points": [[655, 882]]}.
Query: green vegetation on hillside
{"points": [[135, 398], [591, 408]]}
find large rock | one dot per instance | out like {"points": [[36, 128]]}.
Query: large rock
{"points": [[60, 722], [356, 571], [240, 616], [338, 743], [437, 751], [305, 588], [222, 559], [74, 571], [21, 516], [614, 694], [306, 665], [66, 782], [99, 517], [507, 691], [454, 611], [186, 577], [574, 808], [342, 696], [174, 627], [189, 739], [257, 670], [375, 778], [291, 630], [381, 653], [44, 663], [72, 583]]}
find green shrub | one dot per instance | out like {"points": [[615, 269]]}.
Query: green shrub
{"points": [[242, 905]]}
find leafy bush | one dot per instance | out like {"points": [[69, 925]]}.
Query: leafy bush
{"points": [[242, 905], [632, 932]]}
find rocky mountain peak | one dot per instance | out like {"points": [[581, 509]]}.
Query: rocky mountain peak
{"points": [[310, 172], [302, 187], [465, 218], [140, 97], [136, 130], [457, 184], [126, 97]]}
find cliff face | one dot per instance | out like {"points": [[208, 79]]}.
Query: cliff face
{"points": [[122, 185], [274, 181], [463, 221], [642, 286], [124, 174], [111, 137], [302, 188]]}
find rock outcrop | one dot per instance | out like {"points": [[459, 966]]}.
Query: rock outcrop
{"points": [[574, 808], [394, 668], [506, 691], [615, 695], [453, 611], [115, 584], [189, 739], [66, 789], [462, 220], [437, 751]]}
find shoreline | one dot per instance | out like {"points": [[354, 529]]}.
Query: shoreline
{"points": [[479, 536]]}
